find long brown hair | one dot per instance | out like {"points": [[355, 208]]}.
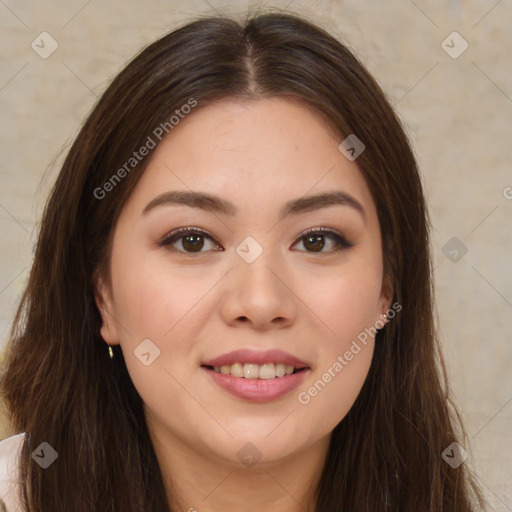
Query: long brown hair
{"points": [[59, 383]]}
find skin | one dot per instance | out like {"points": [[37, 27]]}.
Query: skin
{"points": [[196, 306]]}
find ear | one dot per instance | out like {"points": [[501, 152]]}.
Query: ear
{"points": [[386, 295], [104, 302]]}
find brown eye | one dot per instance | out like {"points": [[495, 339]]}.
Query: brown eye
{"points": [[315, 240], [189, 240], [192, 242]]}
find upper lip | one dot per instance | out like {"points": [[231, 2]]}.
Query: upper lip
{"points": [[256, 357]]}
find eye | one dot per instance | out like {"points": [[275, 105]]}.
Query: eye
{"points": [[314, 239], [192, 240]]}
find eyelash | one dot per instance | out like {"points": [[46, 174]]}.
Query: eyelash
{"points": [[173, 236]]}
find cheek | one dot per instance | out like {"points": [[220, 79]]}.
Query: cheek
{"points": [[345, 300], [153, 303], [349, 311], [338, 382], [168, 306], [151, 298], [139, 304], [347, 304]]}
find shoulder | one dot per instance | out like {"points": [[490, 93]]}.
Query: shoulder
{"points": [[9, 484]]}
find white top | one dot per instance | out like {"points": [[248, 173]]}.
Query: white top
{"points": [[9, 483]]}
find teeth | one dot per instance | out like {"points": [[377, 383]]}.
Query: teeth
{"points": [[267, 371], [251, 371], [255, 371], [237, 370], [281, 370]]}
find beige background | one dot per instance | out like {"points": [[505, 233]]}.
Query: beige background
{"points": [[458, 112]]}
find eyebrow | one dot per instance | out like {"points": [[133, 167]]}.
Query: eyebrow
{"points": [[214, 204]]}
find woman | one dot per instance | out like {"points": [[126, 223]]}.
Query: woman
{"points": [[231, 300]]}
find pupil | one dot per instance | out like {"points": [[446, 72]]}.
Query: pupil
{"points": [[194, 241], [314, 241]]}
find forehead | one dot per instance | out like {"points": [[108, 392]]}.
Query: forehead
{"points": [[268, 150]]}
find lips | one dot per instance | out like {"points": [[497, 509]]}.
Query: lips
{"points": [[244, 356], [258, 390]]}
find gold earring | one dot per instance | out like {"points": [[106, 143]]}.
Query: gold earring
{"points": [[110, 352]]}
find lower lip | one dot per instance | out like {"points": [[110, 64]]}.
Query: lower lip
{"points": [[258, 390]]}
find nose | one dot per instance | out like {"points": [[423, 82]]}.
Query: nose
{"points": [[259, 294]]}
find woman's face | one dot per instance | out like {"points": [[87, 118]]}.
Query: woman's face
{"points": [[247, 278]]}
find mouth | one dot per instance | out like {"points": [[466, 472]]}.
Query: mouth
{"points": [[255, 375], [246, 361], [266, 371], [255, 383]]}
